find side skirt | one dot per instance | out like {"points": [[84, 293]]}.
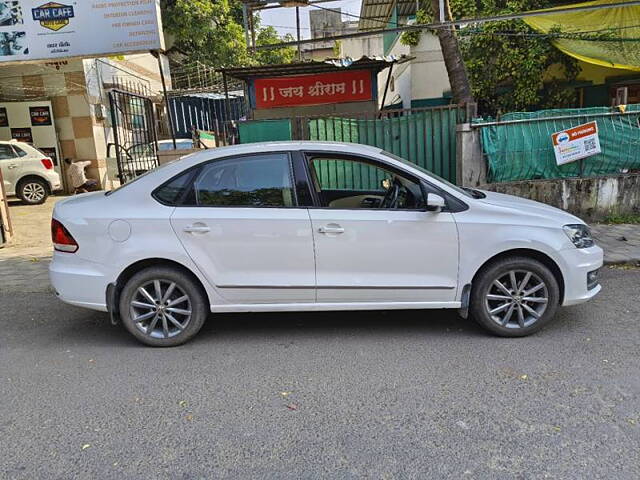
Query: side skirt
{"points": [[316, 307]]}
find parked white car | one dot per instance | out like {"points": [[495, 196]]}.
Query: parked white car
{"points": [[27, 172], [300, 226]]}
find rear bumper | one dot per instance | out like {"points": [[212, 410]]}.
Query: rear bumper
{"points": [[79, 282], [577, 263], [54, 181]]}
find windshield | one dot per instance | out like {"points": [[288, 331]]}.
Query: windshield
{"points": [[467, 192]]}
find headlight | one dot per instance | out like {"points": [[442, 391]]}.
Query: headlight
{"points": [[579, 235]]}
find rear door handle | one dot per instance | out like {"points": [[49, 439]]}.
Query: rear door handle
{"points": [[197, 228], [12, 166], [331, 228]]}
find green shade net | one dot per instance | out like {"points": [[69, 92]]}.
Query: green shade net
{"points": [[524, 151]]}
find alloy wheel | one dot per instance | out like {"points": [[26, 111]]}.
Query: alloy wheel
{"points": [[517, 299], [33, 192], [160, 309]]}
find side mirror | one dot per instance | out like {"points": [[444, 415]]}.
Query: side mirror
{"points": [[435, 203]]}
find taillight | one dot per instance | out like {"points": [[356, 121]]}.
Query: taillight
{"points": [[47, 163], [62, 240]]}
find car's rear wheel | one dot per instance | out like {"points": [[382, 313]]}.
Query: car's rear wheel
{"points": [[162, 306], [33, 191], [514, 297]]}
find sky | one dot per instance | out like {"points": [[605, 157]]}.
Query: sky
{"points": [[284, 19]]}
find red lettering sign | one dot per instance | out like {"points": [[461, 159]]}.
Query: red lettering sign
{"points": [[317, 89]]}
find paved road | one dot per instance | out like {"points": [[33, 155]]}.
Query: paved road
{"points": [[375, 395]]}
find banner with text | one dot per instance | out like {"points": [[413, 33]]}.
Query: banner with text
{"points": [[316, 89], [40, 30], [576, 143]]}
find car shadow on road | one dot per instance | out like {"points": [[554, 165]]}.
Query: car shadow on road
{"points": [[95, 328]]}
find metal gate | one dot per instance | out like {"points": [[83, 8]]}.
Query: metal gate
{"points": [[134, 134]]}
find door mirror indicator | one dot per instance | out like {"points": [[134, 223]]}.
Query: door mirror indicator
{"points": [[435, 203]]}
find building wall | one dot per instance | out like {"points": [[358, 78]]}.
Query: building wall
{"points": [[76, 89], [423, 80], [63, 83]]}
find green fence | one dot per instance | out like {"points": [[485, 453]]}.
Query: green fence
{"points": [[264, 130], [426, 137], [519, 146]]}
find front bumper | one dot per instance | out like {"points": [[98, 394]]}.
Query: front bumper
{"points": [[577, 263]]}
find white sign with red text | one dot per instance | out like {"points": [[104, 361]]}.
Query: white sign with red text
{"points": [[576, 143]]}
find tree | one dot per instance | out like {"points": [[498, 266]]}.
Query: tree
{"points": [[458, 79], [510, 66], [211, 31]]}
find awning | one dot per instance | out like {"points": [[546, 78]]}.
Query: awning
{"points": [[620, 26], [300, 68]]}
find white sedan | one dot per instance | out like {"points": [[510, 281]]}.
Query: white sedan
{"points": [[301, 226]]}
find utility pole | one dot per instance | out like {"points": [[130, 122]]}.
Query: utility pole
{"points": [[298, 33]]}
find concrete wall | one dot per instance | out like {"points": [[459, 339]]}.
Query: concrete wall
{"points": [[424, 77], [428, 71], [591, 199]]}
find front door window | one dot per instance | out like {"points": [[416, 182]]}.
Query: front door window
{"points": [[350, 183]]}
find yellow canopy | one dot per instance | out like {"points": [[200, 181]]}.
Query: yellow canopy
{"points": [[623, 23]]}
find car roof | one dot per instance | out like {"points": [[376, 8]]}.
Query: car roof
{"points": [[283, 146]]}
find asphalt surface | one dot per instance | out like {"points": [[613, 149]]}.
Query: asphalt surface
{"points": [[323, 395]]}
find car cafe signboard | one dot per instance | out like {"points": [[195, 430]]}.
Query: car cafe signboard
{"points": [[576, 143], [39, 30], [316, 89]]}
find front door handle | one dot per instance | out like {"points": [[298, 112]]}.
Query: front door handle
{"points": [[12, 166], [331, 228], [197, 228]]}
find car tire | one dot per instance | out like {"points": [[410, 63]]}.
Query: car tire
{"points": [[164, 318], [517, 308], [33, 191]]}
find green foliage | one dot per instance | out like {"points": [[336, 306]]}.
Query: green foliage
{"points": [[412, 37], [211, 31], [337, 48], [621, 218], [514, 72], [269, 36]]}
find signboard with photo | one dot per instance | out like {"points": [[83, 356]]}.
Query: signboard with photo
{"points": [[41, 30], [576, 143], [22, 135], [316, 89], [40, 115], [4, 117]]}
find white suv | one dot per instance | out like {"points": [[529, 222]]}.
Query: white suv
{"points": [[27, 172]]}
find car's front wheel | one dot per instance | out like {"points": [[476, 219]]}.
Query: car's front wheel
{"points": [[33, 191], [162, 306], [514, 297]]}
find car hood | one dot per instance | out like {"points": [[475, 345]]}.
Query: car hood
{"points": [[525, 206]]}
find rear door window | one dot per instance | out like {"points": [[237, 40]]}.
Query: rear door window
{"points": [[250, 181]]}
